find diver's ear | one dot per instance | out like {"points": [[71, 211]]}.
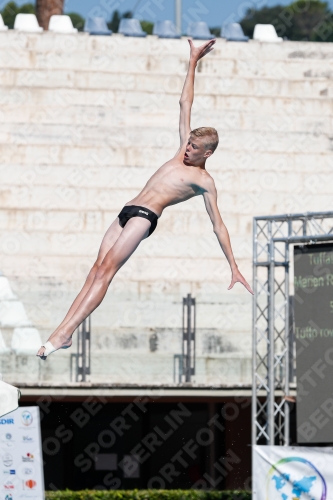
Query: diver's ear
{"points": [[208, 153]]}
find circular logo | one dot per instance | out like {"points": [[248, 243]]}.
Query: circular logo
{"points": [[7, 440], [295, 477], [7, 459], [26, 418], [26, 470]]}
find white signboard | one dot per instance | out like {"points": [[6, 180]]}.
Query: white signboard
{"points": [[292, 473], [21, 461]]}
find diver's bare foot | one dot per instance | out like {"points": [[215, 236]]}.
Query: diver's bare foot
{"points": [[57, 341]]}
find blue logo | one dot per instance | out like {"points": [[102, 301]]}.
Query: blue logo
{"points": [[7, 440], [4, 421], [26, 418], [27, 439], [294, 478]]}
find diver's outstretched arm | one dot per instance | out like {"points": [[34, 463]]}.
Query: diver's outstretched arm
{"points": [[187, 96], [210, 198]]}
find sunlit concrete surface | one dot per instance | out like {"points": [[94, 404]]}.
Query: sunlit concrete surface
{"points": [[84, 122]]}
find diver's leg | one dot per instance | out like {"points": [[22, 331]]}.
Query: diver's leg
{"points": [[109, 239], [134, 232]]}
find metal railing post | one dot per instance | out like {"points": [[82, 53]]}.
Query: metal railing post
{"points": [[254, 339], [271, 343], [188, 346], [178, 15]]}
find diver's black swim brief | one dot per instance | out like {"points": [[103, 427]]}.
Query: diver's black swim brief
{"points": [[133, 211]]}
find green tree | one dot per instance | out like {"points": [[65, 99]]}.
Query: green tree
{"points": [[113, 24], [77, 20], [266, 15], [147, 26], [301, 20], [306, 17], [10, 11], [216, 30]]}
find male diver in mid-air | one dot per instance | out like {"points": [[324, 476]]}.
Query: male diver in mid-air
{"points": [[178, 180]]}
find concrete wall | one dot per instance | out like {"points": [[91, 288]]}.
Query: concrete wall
{"points": [[84, 122]]}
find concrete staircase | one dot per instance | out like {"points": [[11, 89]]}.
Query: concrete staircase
{"points": [[84, 122]]}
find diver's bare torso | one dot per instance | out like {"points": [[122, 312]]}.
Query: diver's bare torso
{"points": [[174, 182]]}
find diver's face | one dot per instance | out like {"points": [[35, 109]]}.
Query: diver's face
{"points": [[196, 152]]}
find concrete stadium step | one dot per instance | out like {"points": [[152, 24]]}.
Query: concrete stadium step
{"points": [[230, 119], [56, 220], [121, 101], [33, 65], [228, 369], [286, 176], [139, 270], [54, 296], [136, 340], [142, 82], [248, 67], [127, 178], [118, 338], [85, 162], [7, 334], [66, 69], [148, 306], [61, 135], [109, 117], [117, 44], [62, 223], [67, 244], [18, 369], [264, 198]]}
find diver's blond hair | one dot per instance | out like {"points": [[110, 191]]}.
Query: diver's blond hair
{"points": [[210, 134]]}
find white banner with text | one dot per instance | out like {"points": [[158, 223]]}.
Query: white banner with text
{"points": [[21, 455]]}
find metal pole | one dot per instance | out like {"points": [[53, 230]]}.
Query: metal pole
{"points": [[254, 340], [189, 332], [271, 344], [89, 346], [84, 351], [78, 355], [254, 347], [178, 15], [193, 335], [212, 447], [287, 342]]}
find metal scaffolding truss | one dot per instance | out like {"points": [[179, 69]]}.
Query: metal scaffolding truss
{"points": [[273, 237]]}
